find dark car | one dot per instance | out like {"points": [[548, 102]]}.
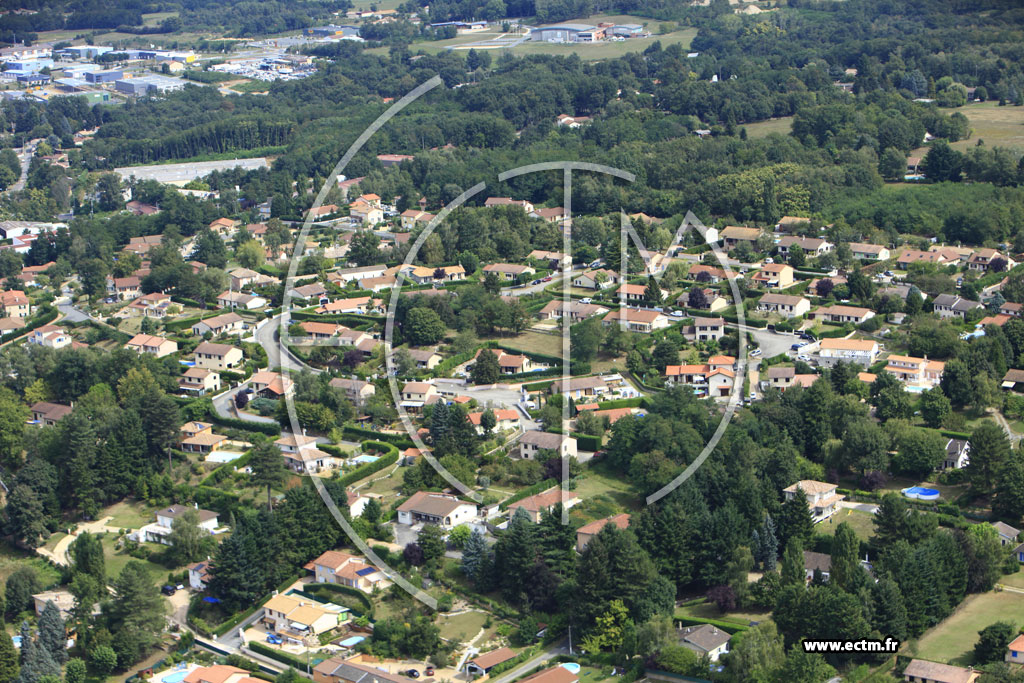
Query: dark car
{"points": [[412, 673], [168, 590], [429, 671], [795, 347]]}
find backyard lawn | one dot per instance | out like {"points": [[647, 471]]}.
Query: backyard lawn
{"points": [[596, 481], [11, 559], [116, 561], [862, 523], [952, 641], [462, 627], [707, 610], [128, 515]]}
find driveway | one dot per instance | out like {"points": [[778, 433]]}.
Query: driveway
{"points": [[863, 507], [771, 343], [224, 404], [497, 395], [59, 554], [539, 287]]}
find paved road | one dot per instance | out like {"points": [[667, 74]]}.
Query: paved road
{"points": [[72, 314], [222, 403], [265, 337], [25, 155], [998, 417], [539, 287]]}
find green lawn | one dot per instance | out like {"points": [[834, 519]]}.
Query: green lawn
{"points": [[707, 610], [860, 521], [1003, 126], [536, 342], [952, 641], [154, 18], [116, 561], [597, 481], [1015, 580], [11, 559], [127, 515], [764, 128], [462, 627]]}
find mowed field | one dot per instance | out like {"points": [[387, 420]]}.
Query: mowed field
{"points": [[997, 126], [953, 640], [763, 129]]}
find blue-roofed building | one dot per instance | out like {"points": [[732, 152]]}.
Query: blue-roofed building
{"points": [[109, 76]]}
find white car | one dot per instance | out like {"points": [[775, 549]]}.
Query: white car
{"points": [[676, 314], [755, 353], [586, 301]]}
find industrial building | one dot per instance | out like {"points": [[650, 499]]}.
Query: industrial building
{"points": [[99, 77], [148, 85], [566, 33], [86, 51]]}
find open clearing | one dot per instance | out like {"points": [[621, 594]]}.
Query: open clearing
{"points": [[952, 641], [763, 129], [997, 126], [861, 522]]}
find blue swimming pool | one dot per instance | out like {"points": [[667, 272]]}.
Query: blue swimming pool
{"points": [[176, 676], [352, 641], [571, 667], [921, 493]]}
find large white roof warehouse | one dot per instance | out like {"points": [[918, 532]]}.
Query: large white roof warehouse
{"points": [[182, 174]]}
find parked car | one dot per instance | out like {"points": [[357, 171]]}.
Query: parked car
{"points": [[769, 260], [535, 282], [168, 589], [546, 279], [429, 671], [586, 300], [273, 639], [753, 395], [795, 347], [755, 353], [412, 673], [676, 314]]}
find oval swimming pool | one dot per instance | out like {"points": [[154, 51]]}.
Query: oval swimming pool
{"points": [[921, 493]]}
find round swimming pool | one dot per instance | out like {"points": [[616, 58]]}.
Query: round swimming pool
{"points": [[921, 493]]}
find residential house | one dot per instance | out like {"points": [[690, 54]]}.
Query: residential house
{"points": [[556, 260], [442, 509], [1012, 378], [1015, 651], [413, 217], [356, 390], [315, 330], [812, 246], [582, 387], [859, 351], [199, 575], [918, 372], [141, 245], [347, 275], [705, 640], [588, 531], [915, 256], [225, 227], [338, 670], [152, 344], [124, 288], [15, 304], [344, 569], [545, 501], [784, 305], [508, 201], [709, 274], [233, 300], [713, 300], [50, 336], [553, 215], [636, 319], [532, 441], [790, 223], [952, 306], [366, 214], [822, 498], [152, 305], [198, 437], [218, 356], [158, 532], [302, 456], [415, 395], [300, 618], [732, 235], [921, 671], [426, 359], [269, 384], [780, 377], [11, 324], [819, 563], [989, 259], [714, 378], [505, 419], [868, 252], [577, 311], [360, 305], [595, 279], [958, 454], [1007, 534], [422, 275], [510, 363], [839, 314], [482, 665], [631, 293], [199, 382], [314, 291], [225, 323], [509, 271], [707, 329], [1011, 309], [774, 276], [46, 414], [63, 600]]}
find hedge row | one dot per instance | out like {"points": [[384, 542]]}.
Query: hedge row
{"points": [[523, 656], [538, 386], [369, 468], [350, 319], [727, 626], [639, 402], [587, 442], [354, 433], [44, 319], [529, 491], [445, 367], [346, 590], [218, 475], [268, 428], [280, 656]]}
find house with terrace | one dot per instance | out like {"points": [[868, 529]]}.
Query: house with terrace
{"points": [[839, 314], [860, 351], [812, 246], [537, 505], [152, 344], [442, 509], [509, 271], [600, 278], [783, 305], [774, 276], [919, 373], [640, 320], [199, 382], [822, 499], [868, 252], [159, 531], [343, 569], [578, 311], [300, 618]]}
